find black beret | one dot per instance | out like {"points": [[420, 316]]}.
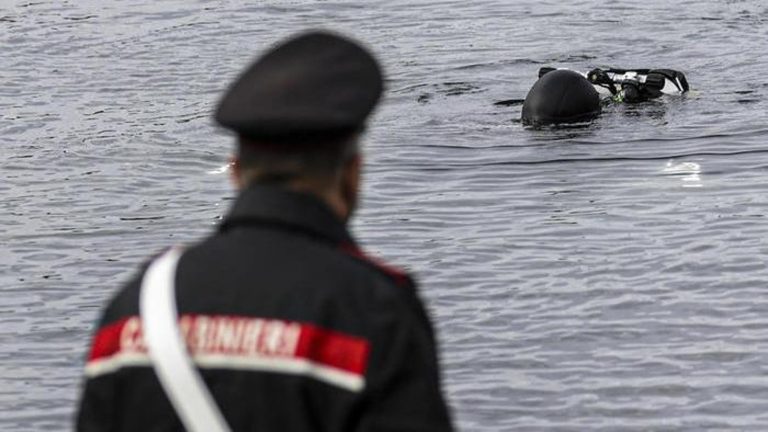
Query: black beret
{"points": [[315, 85]]}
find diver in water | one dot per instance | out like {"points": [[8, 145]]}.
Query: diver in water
{"points": [[564, 96]]}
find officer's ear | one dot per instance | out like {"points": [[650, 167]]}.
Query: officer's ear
{"points": [[235, 172], [356, 168], [351, 176]]}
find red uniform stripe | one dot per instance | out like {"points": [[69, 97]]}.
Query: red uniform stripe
{"points": [[106, 343], [334, 349], [315, 344]]}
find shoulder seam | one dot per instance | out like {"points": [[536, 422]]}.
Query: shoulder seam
{"points": [[399, 277]]}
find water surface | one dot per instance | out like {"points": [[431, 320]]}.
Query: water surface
{"points": [[603, 278]]}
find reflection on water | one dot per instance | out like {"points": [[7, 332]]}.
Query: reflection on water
{"points": [[689, 172], [602, 278]]}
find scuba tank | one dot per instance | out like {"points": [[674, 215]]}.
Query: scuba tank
{"points": [[635, 85]]}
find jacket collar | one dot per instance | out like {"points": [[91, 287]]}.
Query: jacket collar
{"points": [[272, 205]]}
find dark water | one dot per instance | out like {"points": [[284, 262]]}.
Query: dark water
{"points": [[604, 278]]}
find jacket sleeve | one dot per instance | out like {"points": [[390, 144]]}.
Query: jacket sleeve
{"points": [[403, 390], [99, 395], [96, 410]]}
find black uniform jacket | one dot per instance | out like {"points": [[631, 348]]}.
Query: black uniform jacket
{"points": [[292, 327]]}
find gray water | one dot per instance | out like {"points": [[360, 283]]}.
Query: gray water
{"points": [[604, 278]]}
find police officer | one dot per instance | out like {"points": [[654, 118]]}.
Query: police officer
{"points": [[291, 325]]}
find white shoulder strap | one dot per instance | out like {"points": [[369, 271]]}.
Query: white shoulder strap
{"points": [[182, 382]]}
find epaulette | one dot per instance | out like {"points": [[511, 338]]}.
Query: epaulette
{"points": [[400, 277]]}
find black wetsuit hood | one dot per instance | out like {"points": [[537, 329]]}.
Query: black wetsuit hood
{"points": [[561, 96]]}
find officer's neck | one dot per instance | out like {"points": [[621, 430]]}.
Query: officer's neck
{"points": [[338, 202], [339, 206], [340, 192]]}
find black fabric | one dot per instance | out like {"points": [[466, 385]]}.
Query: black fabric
{"points": [[283, 255], [316, 85], [560, 96]]}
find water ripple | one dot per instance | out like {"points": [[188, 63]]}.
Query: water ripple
{"points": [[601, 278]]}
